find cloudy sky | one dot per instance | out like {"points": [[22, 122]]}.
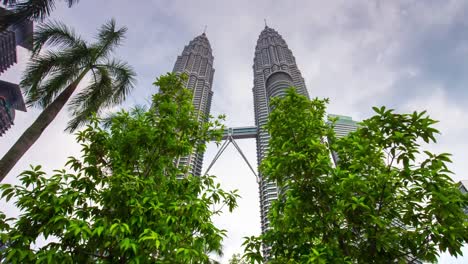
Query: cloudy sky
{"points": [[407, 55]]}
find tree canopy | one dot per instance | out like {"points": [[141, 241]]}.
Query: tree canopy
{"points": [[385, 200], [123, 201]]}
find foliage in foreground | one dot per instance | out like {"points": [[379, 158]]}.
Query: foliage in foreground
{"points": [[236, 259], [122, 202], [386, 200]]}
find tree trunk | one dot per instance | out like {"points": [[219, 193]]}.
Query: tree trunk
{"points": [[32, 134]]}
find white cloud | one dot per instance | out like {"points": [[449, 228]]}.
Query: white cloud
{"points": [[451, 126]]}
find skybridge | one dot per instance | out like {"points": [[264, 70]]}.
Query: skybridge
{"points": [[229, 136]]}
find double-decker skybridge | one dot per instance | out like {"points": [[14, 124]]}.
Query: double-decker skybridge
{"points": [[229, 136]]}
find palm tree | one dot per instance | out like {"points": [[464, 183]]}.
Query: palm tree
{"points": [[21, 11], [52, 77]]}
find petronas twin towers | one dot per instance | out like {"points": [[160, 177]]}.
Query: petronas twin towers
{"points": [[274, 70]]}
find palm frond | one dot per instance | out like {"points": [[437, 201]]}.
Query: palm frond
{"points": [[72, 2], [55, 34], [42, 69], [91, 99], [48, 74], [108, 119], [112, 83], [136, 111], [109, 37], [8, 2], [36, 71], [123, 80], [36, 10], [54, 85]]}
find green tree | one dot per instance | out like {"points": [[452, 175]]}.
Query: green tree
{"points": [[236, 259], [52, 77], [124, 200], [386, 200], [20, 11]]}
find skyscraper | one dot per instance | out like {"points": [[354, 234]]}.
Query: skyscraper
{"points": [[10, 93], [196, 61], [342, 127], [463, 187], [20, 34], [274, 70]]}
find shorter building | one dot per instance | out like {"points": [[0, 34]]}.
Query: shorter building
{"points": [[10, 100], [2, 248], [342, 126], [463, 187]]}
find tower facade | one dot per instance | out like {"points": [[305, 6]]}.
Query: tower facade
{"points": [[196, 61], [343, 125], [275, 70], [11, 98], [19, 34]]}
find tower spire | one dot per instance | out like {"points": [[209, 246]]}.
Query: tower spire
{"points": [[204, 30], [265, 22]]}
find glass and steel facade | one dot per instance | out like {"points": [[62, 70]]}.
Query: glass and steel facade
{"points": [[11, 98], [274, 70], [343, 125], [196, 61], [19, 34], [463, 187]]}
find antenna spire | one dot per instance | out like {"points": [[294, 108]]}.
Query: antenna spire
{"points": [[204, 30], [265, 22]]}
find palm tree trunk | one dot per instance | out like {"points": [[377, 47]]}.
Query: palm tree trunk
{"points": [[32, 134]]}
